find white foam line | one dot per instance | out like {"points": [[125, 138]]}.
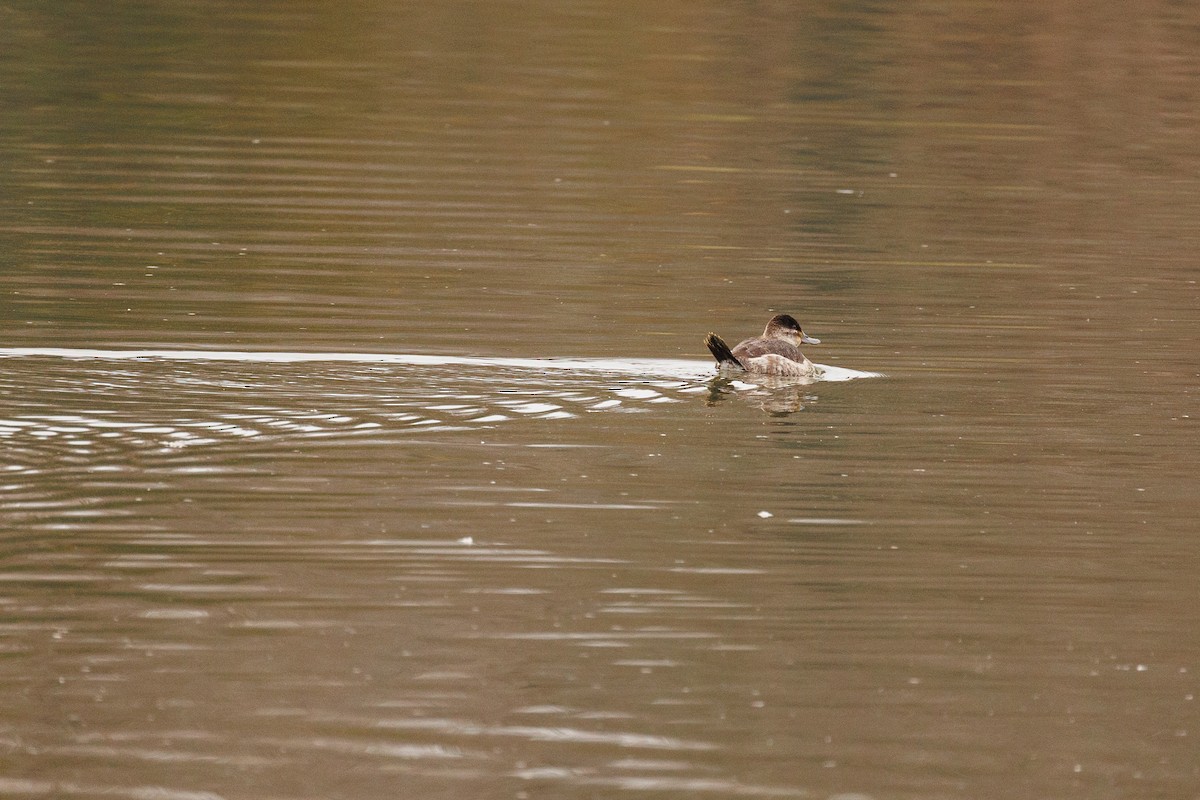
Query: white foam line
{"points": [[613, 365], [695, 370], [845, 373]]}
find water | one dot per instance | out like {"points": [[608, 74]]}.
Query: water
{"points": [[357, 437]]}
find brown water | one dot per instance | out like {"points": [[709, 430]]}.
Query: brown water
{"points": [[291, 558]]}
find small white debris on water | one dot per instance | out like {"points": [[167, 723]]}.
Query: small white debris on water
{"points": [[467, 540]]}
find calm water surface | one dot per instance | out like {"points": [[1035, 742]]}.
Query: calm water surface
{"points": [[338, 529]]}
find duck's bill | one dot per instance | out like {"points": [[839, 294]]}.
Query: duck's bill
{"points": [[808, 339]]}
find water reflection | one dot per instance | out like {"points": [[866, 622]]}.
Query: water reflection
{"points": [[774, 396]]}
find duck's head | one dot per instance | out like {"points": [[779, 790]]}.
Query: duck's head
{"points": [[784, 326]]}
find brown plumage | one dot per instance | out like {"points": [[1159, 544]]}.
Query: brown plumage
{"points": [[776, 352]]}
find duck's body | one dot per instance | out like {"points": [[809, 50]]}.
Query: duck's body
{"points": [[776, 352]]}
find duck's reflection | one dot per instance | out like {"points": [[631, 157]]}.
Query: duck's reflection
{"points": [[774, 395]]}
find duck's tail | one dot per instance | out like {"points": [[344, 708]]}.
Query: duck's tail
{"points": [[721, 352]]}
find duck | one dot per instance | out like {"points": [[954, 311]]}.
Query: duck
{"points": [[776, 352]]}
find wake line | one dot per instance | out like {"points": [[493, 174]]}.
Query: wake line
{"points": [[642, 367]]}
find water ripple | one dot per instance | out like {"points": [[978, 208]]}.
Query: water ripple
{"points": [[538, 733], [172, 400], [18, 787]]}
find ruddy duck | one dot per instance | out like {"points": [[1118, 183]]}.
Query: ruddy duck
{"points": [[776, 352]]}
